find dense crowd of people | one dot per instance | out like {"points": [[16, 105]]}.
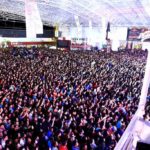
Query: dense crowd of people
{"points": [[74, 100], [146, 115]]}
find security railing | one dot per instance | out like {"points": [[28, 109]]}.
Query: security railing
{"points": [[126, 141], [129, 139]]}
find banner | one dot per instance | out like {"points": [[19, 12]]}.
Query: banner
{"points": [[134, 33], [137, 45], [145, 36], [123, 45], [34, 23]]}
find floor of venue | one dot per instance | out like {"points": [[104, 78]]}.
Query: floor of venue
{"points": [[76, 100]]}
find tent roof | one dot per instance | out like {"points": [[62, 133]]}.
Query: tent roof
{"points": [[63, 12]]}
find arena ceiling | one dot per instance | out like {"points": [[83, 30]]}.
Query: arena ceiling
{"points": [[63, 12]]}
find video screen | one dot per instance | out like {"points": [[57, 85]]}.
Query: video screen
{"points": [[134, 33], [63, 44]]}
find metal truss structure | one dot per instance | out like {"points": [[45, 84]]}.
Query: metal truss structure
{"points": [[62, 12]]}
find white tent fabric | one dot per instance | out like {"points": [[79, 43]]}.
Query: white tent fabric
{"points": [[121, 14], [34, 23], [62, 12], [96, 36]]}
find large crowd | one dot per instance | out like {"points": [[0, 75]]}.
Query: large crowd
{"points": [[146, 115], [76, 100]]}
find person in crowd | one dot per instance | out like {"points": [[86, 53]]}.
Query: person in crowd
{"points": [[54, 100], [146, 115]]}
